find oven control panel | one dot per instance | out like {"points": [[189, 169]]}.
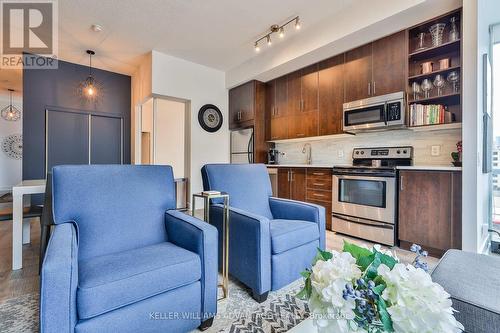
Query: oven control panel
{"points": [[382, 153]]}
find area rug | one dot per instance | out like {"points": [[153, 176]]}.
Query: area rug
{"points": [[238, 313]]}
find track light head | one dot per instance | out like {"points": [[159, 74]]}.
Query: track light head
{"points": [[269, 42], [257, 47], [297, 23], [281, 32]]}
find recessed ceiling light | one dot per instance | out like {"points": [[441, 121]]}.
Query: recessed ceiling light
{"points": [[96, 27]]}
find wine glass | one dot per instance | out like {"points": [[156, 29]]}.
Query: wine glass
{"points": [[426, 87], [453, 78], [439, 82], [415, 87]]}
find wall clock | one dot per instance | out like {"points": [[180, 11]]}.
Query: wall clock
{"points": [[12, 146], [210, 118]]}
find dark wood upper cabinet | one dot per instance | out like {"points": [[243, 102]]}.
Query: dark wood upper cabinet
{"points": [[358, 73], [377, 68], [281, 97], [389, 64], [242, 105], [247, 106], [309, 89], [426, 216], [294, 98], [303, 125], [311, 99], [276, 104], [331, 95]]}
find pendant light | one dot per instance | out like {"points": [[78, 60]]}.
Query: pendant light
{"points": [[10, 112], [90, 88]]}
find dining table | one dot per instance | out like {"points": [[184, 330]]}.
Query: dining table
{"points": [[21, 233]]}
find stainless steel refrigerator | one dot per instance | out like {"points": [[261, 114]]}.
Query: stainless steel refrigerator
{"points": [[242, 146]]}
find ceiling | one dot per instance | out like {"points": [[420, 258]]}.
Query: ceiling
{"points": [[218, 34]]}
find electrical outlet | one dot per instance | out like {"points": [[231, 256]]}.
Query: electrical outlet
{"points": [[340, 153], [435, 150]]}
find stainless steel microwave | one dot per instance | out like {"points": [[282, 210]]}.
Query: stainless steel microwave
{"points": [[375, 113]]}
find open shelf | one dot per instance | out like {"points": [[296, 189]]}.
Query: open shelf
{"points": [[433, 73], [437, 127], [453, 98], [433, 51]]}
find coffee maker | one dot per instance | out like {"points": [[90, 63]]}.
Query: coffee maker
{"points": [[272, 156]]}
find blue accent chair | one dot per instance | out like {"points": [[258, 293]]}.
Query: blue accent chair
{"points": [[271, 240], [121, 259]]}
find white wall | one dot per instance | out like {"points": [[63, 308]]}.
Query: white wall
{"points": [[478, 15], [10, 169], [170, 135], [338, 150], [181, 79]]}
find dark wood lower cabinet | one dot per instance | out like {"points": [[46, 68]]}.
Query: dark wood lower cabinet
{"points": [[292, 183], [309, 185], [430, 210]]}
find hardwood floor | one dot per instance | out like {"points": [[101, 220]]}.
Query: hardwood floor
{"points": [[26, 280]]}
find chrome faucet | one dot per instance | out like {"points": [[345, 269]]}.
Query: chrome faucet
{"points": [[307, 150]]}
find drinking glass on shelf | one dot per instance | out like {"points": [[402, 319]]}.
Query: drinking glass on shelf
{"points": [[415, 87], [426, 87], [453, 34], [453, 78], [420, 41], [439, 82], [436, 31]]}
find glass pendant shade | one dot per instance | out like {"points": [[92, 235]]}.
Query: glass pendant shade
{"points": [[10, 112]]}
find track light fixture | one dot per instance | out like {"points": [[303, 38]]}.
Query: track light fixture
{"points": [[275, 28]]}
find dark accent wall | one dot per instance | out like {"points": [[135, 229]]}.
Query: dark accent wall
{"points": [[58, 88]]}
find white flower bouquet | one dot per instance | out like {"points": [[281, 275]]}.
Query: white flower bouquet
{"points": [[369, 290]]}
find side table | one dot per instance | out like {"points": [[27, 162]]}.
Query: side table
{"points": [[225, 231]]}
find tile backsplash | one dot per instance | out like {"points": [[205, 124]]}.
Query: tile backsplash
{"points": [[338, 151]]}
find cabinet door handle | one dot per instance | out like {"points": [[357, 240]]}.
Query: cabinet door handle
{"points": [[369, 88], [319, 195], [401, 186], [300, 134], [319, 184], [318, 173], [288, 175], [291, 176], [276, 111], [272, 111], [374, 88]]}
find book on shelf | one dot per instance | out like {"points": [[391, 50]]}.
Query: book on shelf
{"points": [[430, 114]]}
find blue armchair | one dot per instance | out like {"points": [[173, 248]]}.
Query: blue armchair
{"points": [[271, 240], [120, 259]]}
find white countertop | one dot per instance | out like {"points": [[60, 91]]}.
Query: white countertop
{"points": [[329, 166], [319, 166], [430, 167]]}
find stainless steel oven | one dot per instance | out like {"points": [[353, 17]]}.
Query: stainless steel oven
{"points": [[375, 113], [364, 195], [364, 205]]}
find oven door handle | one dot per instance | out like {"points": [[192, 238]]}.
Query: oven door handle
{"points": [[385, 113], [363, 221]]}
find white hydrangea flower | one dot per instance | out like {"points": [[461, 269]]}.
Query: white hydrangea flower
{"points": [[417, 303], [330, 311]]}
